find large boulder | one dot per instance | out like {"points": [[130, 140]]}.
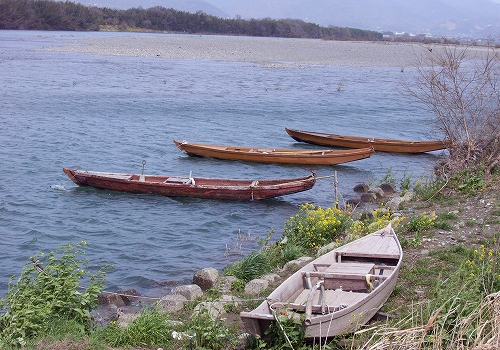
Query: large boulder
{"points": [[111, 299], [361, 188], [369, 197], [377, 191], [206, 278], [387, 187], [129, 295], [256, 286], [294, 265], [190, 291], [172, 303]]}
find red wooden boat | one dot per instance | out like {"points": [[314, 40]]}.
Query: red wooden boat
{"points": [[379, 144], [198, 187]]}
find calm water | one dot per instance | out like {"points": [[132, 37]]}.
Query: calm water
{"points": [[109, 113]]}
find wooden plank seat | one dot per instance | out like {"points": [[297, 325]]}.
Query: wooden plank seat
{"points": [[176, 179], [334, 300], [117, 176]]}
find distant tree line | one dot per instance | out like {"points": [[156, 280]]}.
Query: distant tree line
{"points": [[56, 15]]}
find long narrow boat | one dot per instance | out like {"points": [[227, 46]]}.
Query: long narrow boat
{"points": [[274, 155], [338, 292], [379, 144], [198, 187]]}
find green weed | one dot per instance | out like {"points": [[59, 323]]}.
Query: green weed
{"points": [[50, 291]]}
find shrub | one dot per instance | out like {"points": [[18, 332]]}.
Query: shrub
{"points": [[47, 292], [207, 333], [314, 227], [421, 223]]}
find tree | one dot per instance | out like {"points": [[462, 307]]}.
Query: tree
{"points": [[460, 85]]}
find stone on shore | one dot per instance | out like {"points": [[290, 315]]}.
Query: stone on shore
{"points": [[216, 308], [387, 187], [206, 278], [256, 286], [296, 264], [190, 291], [172, 303], [111, 299]]}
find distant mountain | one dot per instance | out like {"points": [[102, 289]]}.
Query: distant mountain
{"points": [[463, 18], [438, 17]]}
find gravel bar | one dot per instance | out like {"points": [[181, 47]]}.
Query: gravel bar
{"points": [[265, 51]]}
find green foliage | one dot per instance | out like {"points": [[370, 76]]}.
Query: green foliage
{"points": [[469, 181], [460, 292], [252, 266], [410, 242], [421, 223], [442, 221], [428, 189], [443, 225], [207, 333], [405, 183], [314, 227], [377, 220], [238, 285], [286, 333], [389, 177], [152, 328], [49, 291]]}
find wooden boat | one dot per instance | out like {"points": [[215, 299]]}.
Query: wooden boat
{"points": [[338, 292], [274, 155], [198, 187], [379, 144]]}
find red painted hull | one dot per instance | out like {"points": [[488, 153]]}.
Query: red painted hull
{"points": [[175, 186]]}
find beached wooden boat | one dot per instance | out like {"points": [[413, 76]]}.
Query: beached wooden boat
{"points": [[198, 187], [379, 144], [338, 292], [274, 155]]}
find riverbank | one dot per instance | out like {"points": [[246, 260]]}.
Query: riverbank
{"points": [[272, 52]]}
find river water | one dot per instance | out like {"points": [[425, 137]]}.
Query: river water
{"points": [[109, 113]]}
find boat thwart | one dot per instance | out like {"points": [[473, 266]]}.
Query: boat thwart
{"points": [[338, 292]]}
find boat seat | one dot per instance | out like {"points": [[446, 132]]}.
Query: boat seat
{"points": [[182, 180], [120, 176], [331, 301], [347, 282]]}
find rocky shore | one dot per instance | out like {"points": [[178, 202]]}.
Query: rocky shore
{"points": [[125, 305]]}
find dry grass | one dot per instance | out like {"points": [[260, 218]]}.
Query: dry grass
{"points": [[478, 331]]}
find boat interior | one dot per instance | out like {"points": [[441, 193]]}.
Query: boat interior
{"points": [[333, 287]]}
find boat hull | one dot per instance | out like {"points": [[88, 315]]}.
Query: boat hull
{"points": [[274, 155], [379, 144], [341, 300], [206, 188]]}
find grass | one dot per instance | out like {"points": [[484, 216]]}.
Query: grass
{"points": [[445, 297]]}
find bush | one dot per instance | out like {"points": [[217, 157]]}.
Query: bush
{"points": [[49, 292], [421, 223], [314, 227]]}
